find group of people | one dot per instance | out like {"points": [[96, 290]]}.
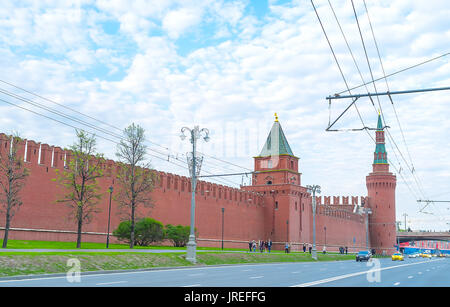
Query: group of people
{"points": [[263, 246], [343, 250], [266, 246], [309, 247]]}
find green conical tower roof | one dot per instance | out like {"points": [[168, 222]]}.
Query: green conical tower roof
{"points": [[380, 156], [276, 143], [379, 124]]}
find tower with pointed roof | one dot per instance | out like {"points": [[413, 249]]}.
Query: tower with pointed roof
{"points": [[287, 204], [276, 161], [381, 192]]}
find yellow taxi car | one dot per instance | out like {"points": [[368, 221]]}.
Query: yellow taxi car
{"points": [[397, 256], [426, 255]]}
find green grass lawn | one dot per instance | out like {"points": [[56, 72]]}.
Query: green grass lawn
{"points": [[25, 263], [32, 244]]}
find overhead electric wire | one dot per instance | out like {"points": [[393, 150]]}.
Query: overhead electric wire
{"points": [[92, 126], [72, 126], [59, 104], [339, 66], [105, 123], [392, 102], [397, 72], [379, 103], [364, 83]]}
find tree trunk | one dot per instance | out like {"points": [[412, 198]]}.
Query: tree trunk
{"points": [[80, 224], [132, 227], [5, 237]]}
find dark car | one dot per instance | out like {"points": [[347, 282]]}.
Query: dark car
{"points": [[363, 256]]}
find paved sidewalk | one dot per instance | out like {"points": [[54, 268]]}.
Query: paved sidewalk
{"points": [[137, 250]]}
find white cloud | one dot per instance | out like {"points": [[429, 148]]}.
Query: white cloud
{"points": [[177, 22], [278, 63]]}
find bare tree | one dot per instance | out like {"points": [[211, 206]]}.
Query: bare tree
{"points": [[79, 178], [135, 177], [13, 175]]}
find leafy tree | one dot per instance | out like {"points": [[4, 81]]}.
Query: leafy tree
{"points": [[122, 232], [179, 235], [79, 179], [147, 231], [13, 175], [135, 178]]}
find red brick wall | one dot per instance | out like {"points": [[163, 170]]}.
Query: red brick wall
{"points": [[249, 214]]}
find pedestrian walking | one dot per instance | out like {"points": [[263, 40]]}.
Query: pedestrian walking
{"points": [[250, 245], [310, 248], [304, 247], [254, 246], [286, 248], [346, 250], [269, 245]]}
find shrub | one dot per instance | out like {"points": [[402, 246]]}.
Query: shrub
{"points": [[179, 235], [147, 231]]}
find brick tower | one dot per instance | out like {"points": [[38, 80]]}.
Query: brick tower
{"points": [[381, 192], [277, 178]]}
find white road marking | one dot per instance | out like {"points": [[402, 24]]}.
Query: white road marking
{"points": [[111, 283], [196, 285], [326, 280], [410, 277], [132, 273], [197, 274], [396, 284], [254, 277]]}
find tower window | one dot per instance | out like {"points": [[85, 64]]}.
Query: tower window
{"points": [[276, 205], [269, 182], [269, 164]]}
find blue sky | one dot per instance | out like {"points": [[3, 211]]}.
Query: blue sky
{"points": [[229, 66]]}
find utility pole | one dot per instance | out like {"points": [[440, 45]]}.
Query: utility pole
{"points": [[223, 212], [109, 215], [367, 211], [313, 189], [405, 215], [193, 162]]}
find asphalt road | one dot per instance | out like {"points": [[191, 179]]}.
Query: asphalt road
{"points": [[379, 273]]}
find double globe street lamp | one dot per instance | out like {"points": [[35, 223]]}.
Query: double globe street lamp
{"points": [[194, 164], [313, 189]]}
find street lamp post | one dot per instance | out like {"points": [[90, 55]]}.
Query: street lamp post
{"points": [[109, 215], [287, 231], [325, 229], [193, 162], [313, 189], [223, 211]]}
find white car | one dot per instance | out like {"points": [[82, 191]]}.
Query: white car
{"points": [[414, 255]]}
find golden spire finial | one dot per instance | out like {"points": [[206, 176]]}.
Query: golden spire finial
{"points": [[276, 117]]}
